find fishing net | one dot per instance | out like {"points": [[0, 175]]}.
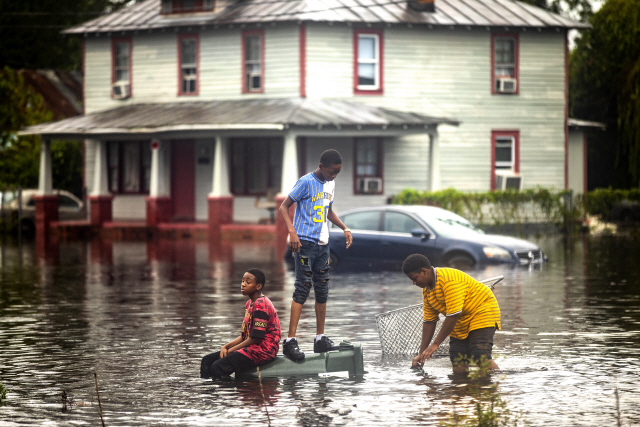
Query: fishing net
{"points": [[401, 330]]}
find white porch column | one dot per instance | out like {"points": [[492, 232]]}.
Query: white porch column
{"points": [[45, 183], [100, 170], [158, 185], [220, 183], [434, 162], [289, 164]]}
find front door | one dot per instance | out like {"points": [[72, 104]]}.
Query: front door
{"points": [[183, 180]]}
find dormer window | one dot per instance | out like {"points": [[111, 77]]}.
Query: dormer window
{"points": [[186, 6]]}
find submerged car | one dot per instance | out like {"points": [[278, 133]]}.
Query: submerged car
{"points": [[386, 235], [69, 208]]}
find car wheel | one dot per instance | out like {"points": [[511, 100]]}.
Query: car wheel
{"points": [[333, 260], [27, 228], [460, 261]]}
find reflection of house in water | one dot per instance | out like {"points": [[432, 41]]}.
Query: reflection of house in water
{"points": [[195, 109]]}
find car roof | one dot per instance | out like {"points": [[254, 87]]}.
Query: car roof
{"points": [[406, 208]]}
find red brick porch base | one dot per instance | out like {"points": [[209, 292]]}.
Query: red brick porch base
{"points": [[46, 212], [158, 210], [100, 209], [220, 212]]}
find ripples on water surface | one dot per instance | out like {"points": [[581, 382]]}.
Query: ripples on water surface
{"points": [[143, 315]]}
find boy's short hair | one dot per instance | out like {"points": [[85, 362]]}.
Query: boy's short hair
{"points": [[259, 275], [415, 263], [330, 158]]}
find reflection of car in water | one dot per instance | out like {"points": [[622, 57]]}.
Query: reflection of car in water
{"points": [[69, 208], [626, 212], [384, 236]]}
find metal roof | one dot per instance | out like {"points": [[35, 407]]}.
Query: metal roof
{"points": [[472, 13], [235, 115]]}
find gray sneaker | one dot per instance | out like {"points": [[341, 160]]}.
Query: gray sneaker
{"points": [[323, 345]]}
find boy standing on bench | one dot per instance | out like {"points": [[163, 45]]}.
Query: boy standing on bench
{"points": [[309, 242]]}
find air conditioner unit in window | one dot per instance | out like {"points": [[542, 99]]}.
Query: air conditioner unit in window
{"points": [[507, 84], [121, 90], [369, 185], [507, 180]]}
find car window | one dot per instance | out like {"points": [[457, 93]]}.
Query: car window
{"points": [[363, 220], [67, 202], [398, 222]]}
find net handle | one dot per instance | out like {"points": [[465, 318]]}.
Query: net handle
{"points": [[492, 282]]}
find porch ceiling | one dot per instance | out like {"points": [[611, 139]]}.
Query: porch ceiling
{"points": [[236, 117]]}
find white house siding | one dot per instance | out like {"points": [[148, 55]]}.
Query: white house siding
{"points": [[155, 67], [129, 207], [444, 72], [89, 161]]}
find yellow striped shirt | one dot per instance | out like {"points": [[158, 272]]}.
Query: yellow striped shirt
{"points": [[457, 292]]}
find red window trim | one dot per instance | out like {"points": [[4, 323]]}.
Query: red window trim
{"points": [[493, 62], [246, 34], [197, 7], [180, 38], [303, 60], [380, 89], [380, 167], [113, 63], [516, 161]]}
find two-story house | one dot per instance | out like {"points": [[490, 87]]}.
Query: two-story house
{"points": [[193, 108]]}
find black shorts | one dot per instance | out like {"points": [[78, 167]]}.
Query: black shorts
{"points": [[478, 343]]}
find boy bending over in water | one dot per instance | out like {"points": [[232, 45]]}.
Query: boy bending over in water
{"points": [[260, 338], [471, 311]]}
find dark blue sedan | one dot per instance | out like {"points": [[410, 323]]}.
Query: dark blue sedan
{"points": [[386, 235]]}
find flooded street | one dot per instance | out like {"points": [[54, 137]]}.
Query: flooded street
{"points": [[142, 316]]}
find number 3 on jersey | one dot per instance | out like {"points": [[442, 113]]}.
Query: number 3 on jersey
{"points": [[321, 213]]}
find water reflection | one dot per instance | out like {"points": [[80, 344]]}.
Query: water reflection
{"points": [[143, 314]]}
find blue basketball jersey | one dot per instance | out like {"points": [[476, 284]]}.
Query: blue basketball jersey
{"points": [[313, 199]]}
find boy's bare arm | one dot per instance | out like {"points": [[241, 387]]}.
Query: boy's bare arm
{"points": [[246, 343], [428, 328], [294, 241], [225, 348], [331, 216]]}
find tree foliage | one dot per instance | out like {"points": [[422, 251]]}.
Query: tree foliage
{"points": [[605, 83], [20, 106], [30, 31], [576, 9]]}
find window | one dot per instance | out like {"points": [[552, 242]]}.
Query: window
{"points": [[188, 57], [186, 6], [505, 153], [129, 164], [368, 62], [368, 166], [121, 68], [504, 63], [256, 165], [397, 222], [253, 57], [369, 221]]}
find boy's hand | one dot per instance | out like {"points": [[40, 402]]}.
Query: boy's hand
{"points": [[224, 351], [348, 238], [294, 242]]}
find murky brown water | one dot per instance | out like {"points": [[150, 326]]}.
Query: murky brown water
{"points": [[142, 316]]}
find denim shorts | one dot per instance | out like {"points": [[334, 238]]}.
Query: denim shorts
{"points": [[478, 343], [312, 268]]}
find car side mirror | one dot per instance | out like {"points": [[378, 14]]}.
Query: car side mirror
{"points": [[422, 234]]}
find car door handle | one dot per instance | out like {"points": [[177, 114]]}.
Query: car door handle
{"points": [[385, 244]]}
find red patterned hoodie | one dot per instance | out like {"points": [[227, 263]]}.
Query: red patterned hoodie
{"points": [[261, 321]]}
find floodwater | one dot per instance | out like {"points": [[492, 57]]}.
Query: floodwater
{"points": [[142, 315]]}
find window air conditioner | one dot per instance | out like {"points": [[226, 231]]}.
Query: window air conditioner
{"points": [[370, 185], [507, 84], [121, 90], [507, 180]]}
